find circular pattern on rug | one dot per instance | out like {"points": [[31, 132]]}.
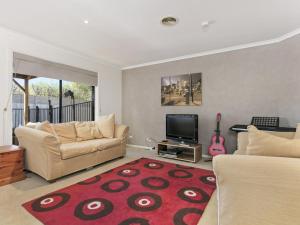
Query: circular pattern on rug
{"points": [[50, 202], [184, 167], [154, 165], [129, 172], [135, 221], [91, 180], [144, 201], [180, 174], [155, 183], [193, 195], [133, 162], [208, 180], [115, 186], [179, 216], [92, 209]]}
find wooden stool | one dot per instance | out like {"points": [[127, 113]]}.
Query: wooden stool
{"points": [[11, 164]]}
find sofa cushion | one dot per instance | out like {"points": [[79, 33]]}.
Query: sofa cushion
{"points": [[106, 143], [74, 149], [243, 140], [70, 150], [96, 133], [46, 127], [87, 130], [65, 132], [265, 144], [83, 131], [32, 125], [106, 125]]}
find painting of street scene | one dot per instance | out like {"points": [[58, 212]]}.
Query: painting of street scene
{"points": [[181, 90]]}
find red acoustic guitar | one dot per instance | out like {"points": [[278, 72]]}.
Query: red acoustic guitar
{"points": [[217, 141]]}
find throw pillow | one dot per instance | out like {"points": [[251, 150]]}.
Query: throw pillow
{"points": [[32, 125], [83, 131], [265, 144], [66, 132], [96, 133], [106, 125], [46, 127], [87, 131]]}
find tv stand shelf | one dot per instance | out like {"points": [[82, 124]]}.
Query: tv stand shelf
{"points": [[183, 152]]}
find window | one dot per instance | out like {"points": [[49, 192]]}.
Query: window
{"points": [[51, 99]]}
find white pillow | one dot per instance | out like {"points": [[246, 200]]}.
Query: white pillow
{"points": [[32, 125], [265, 144], [106, 125]]}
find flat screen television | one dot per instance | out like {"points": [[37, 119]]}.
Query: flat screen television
{"points": [[182, 127]]}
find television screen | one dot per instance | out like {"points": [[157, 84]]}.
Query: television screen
{"points": [[182, 127]]}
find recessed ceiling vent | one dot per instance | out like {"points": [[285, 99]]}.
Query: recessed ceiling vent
{"points": [[169, 21]]}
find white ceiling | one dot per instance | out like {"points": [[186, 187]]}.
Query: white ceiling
{"points": [[128, 32]]}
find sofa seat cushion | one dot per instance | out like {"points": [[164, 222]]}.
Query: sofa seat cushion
{"points": [[70, 150], [106, 143]]}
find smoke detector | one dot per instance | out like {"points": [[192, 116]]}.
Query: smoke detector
{"points": [[169, 21]]}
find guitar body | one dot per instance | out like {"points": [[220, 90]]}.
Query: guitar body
{"points": [[217, 146]]}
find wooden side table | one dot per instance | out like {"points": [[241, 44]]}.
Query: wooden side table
{"points": [[11, 164]]}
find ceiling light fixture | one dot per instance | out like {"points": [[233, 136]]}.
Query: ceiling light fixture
{"points": [[86, 21], [169, 21]]}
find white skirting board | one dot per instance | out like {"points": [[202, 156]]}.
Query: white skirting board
{"points": [[139, 146]]}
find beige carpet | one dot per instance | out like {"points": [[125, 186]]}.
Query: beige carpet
{"points": [[12, 196]]}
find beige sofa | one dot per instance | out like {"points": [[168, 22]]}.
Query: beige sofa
{"points": [[48, 157], [260, 182]]}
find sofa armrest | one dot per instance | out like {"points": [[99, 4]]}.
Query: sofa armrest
{"points": [[37, 140], [257, 190], [121, 131], [42, 151]]}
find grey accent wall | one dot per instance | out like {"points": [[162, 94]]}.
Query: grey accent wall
{"points": [[260, 81]]}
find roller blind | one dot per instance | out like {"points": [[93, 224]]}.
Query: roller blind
{"points": [[29, 65]]}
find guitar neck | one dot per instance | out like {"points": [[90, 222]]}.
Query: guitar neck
{"points": [[218, 132]]}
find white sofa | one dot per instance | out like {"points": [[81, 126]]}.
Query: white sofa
{"points": [[50, 158], [259, 188]]}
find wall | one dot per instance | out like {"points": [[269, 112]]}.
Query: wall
{"points": [[108, 93], [259, 81]]}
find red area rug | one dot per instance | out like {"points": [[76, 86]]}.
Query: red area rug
{"points": [[142, 192]]}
